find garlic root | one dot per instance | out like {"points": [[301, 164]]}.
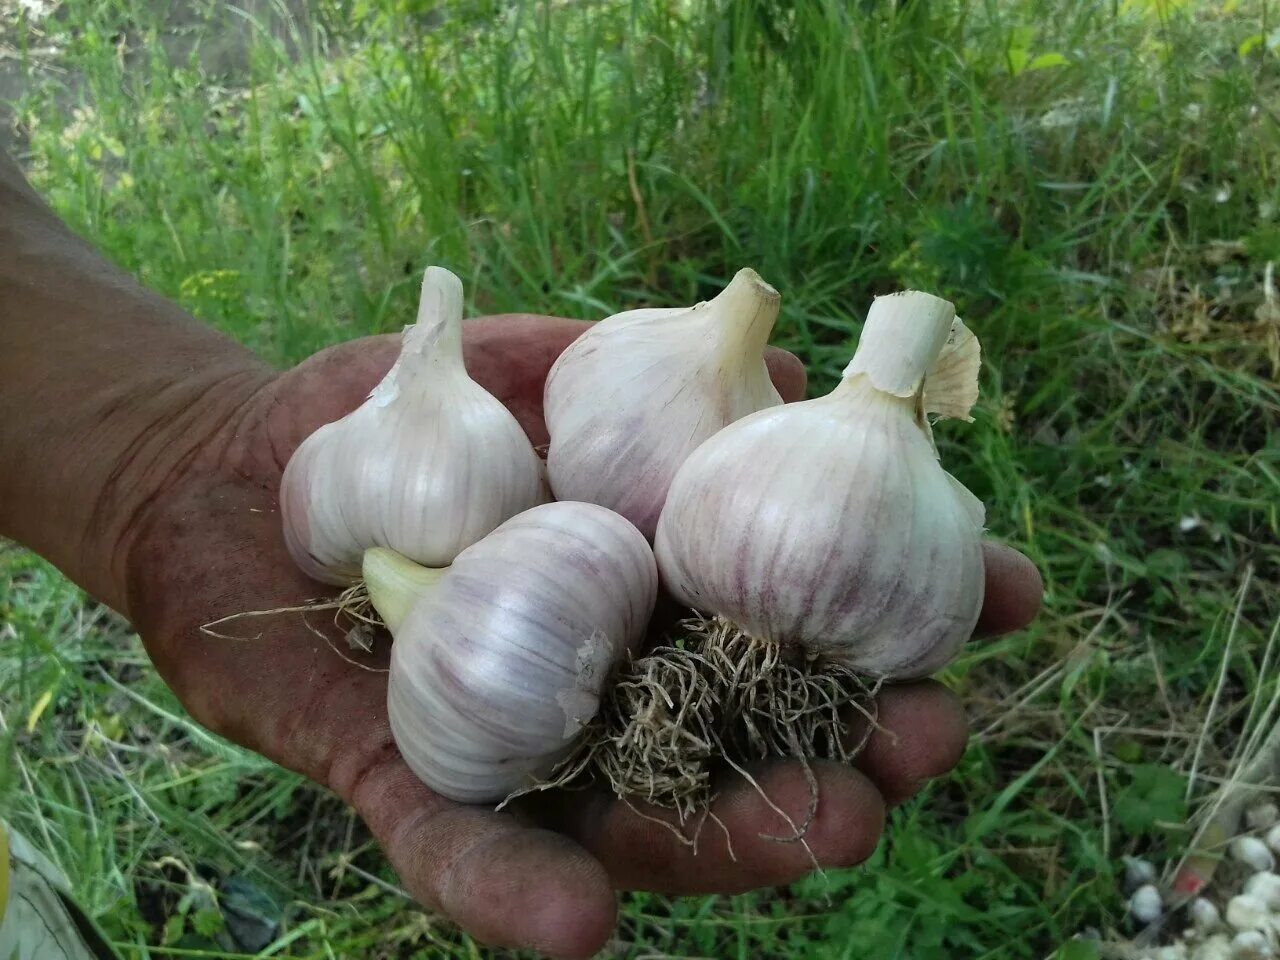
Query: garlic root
{"points": [[715, 695]]}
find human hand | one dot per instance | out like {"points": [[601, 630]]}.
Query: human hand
{"points": [[207, 543]]}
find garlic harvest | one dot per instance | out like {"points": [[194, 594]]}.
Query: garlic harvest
{"points": [[635, 395], [830, 523], [500, 659], [427, 465]]}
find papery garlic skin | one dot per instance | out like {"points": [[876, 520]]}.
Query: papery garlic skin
{"points": [[501, 662], [427, 465], [635, 395], [830, 523]]}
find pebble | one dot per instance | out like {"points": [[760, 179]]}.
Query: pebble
{"points": [[1204, 915], [1266, 887], [1138, 873], [1252, 852], [1245, 912], [1262, 816], [1217, 947], [1145, 905], [1250, 945], [1273, 838]]}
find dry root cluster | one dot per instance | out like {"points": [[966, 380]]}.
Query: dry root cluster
{"points": [[716, 697]]}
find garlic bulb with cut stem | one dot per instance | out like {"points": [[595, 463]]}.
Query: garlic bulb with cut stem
{"points": [[427, 465], [500, 659], [635, 395], [830, 523]]}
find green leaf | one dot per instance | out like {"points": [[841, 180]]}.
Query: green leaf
{"points": [[1248, 43], [207, 922], [1045, 60], [1078, 950], [174, 928], [1155, 794]]}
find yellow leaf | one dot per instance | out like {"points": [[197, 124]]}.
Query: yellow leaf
{"points": [[38, 710], [1231, 6], [1249, 43]]}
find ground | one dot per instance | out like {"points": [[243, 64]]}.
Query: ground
{"points": [[1094, 185]]}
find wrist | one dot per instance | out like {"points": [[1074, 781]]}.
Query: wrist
{"points": [[106, 390], [168, 430]]}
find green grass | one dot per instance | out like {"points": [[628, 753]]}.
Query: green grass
{"points": [[1094, 184]]}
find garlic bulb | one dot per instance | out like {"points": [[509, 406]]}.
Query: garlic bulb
{"points": [[500, 659], [426, 466], [830, 523], [635, 395]]}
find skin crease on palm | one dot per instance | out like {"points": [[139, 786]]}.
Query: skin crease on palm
{"points": [[208, 544]]}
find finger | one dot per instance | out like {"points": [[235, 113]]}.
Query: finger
{"points": [[642, 854], [505, 884], [921, 731], [1014, 589]]}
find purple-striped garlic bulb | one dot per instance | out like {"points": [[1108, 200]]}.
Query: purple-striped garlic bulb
{"points": [[500, 659]]}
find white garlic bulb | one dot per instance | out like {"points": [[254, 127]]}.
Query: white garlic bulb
{"points": [[635, 395], [830, 523], [427, 465], [499, 663], [1253, 853]]}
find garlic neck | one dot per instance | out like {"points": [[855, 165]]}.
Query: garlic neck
{"points": [[903, 336], [431, 349], [743, 315], [395, 584]]}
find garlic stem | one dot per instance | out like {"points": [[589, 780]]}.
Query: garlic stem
{"points": [[395, 583], [903, 336], [432, 346], [750, 308]]}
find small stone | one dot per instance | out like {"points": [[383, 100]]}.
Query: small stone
{"points": [[1253, 853], [1245, 912], [1146, 905], [1273, 838], [1138, 873], [1266, 887], [1173, 951], [1251, 945], [1216, 947], [1262, 816], [1204, 915]]}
